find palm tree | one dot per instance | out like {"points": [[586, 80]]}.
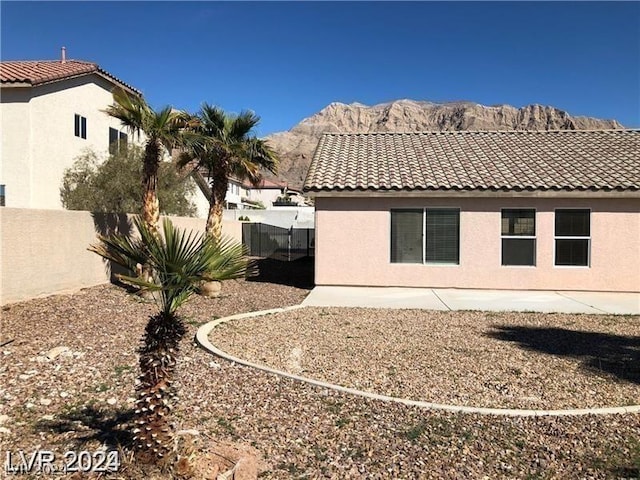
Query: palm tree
{"points": [[179, 262], [162, 129], [226, 147]]}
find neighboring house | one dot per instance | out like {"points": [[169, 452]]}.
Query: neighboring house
{"points": [[272, 194], [51, 112], [548, 210], [242, 195]]}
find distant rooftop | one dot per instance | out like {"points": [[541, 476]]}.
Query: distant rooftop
{"points": [[41, 72], [518, 160]]}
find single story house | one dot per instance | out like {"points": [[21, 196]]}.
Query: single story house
{"points": [[545, 210]]}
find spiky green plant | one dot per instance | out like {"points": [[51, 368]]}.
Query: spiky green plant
{"points": [[179, 261]]}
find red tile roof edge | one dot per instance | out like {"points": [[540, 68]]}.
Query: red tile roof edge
{"points": [[82, 68]]}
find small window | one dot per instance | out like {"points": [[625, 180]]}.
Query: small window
{"points": [[123, 141], [2, 201], [80, 126], [117, 141], [113, 141], [429, 235], [518, 237], [572, 237]]}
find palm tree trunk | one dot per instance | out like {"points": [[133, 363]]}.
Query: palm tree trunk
{"points": [[216, 207], [150, 204], [153, 434]]}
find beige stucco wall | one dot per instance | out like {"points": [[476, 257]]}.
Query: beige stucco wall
{"points": [[45, 251], [15, 133], [353, 245], [38, 140], [199, 200]]}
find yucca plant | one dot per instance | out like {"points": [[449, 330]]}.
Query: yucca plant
{"points": [[179, 261]]}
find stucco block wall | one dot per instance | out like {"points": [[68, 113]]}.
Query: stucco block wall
{"points": [[45, 251], [353, 245]]}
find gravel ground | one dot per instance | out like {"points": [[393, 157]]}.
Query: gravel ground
{"points": [[78, 400], [499, 360]]}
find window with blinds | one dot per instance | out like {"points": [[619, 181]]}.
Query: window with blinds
{"points": [[443, 235], [429, 235]]}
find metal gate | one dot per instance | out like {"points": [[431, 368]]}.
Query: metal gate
{"points": [[263, 240]]}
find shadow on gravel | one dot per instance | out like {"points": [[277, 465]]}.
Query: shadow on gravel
{"points": [[618, 355], [297, 273], [92, 425]]}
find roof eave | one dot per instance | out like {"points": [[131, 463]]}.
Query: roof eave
{"points": [[16, 84], [101, 74], [474, 193]]}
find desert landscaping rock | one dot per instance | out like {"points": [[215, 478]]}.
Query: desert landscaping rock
{"points": [[488, 360], [56, 352], [299, 430]]}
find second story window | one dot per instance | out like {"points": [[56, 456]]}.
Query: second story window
{"points": [[80, 126], [117, 141]]}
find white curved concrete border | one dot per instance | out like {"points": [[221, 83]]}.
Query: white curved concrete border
{"points": [[202, 336]]}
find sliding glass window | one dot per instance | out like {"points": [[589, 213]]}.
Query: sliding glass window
{"points": [[429, 235]]}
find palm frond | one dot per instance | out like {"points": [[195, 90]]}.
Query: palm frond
{"points": [[179, 260], [131, 110], [122, 250], [228, 260], [213, 120], [241, 126]]}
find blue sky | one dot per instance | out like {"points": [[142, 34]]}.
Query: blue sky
{"points": [[287, 60]]}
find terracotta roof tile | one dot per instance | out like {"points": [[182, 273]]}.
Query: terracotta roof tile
{"points": [[39, 72], [495, 160]]}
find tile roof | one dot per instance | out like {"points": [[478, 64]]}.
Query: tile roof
{"points": [[491, 160], [265, 183], [40, 72]]}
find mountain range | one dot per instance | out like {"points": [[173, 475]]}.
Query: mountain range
{"points": [[295, 147]]}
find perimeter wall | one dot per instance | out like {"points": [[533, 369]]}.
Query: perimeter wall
{"points": [[43, 252]]}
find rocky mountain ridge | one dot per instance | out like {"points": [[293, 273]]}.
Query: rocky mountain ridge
{"points": [[296, 146]]}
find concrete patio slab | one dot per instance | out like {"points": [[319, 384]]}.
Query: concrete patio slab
{"points": [[512, 300], [467, 299], [374, 297], [618, 303]]}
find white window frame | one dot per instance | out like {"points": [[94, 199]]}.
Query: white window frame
{"points": [[522, 237], [588, 238], [424, 236]]}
